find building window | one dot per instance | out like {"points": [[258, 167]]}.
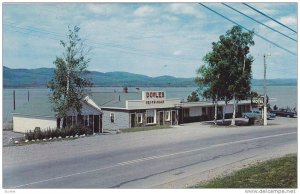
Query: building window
{"points": [[150, 114], [112, 117], [140, 118], [168, 116]]}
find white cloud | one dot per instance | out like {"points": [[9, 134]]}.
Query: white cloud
{"points": [[145, 11], [185, 9], [267, 8], [289, 20], [170, 17], [101, 9], [178, 52]]}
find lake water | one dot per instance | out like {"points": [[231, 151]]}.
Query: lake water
{"points": [[282, 96]]}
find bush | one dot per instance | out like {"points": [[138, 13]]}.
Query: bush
{"points": [[56, 133], [51, 133], [38, 134], [79, 130], [29, 135], [88, 131]]}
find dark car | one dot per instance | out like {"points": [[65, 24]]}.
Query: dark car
{"points": [[284, 113]]}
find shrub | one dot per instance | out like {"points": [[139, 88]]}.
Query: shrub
{"points": [[38, 134], [88, 131], [51, 133], [79, 130], [29, 135], [56, 133]]}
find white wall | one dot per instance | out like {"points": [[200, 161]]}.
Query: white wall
{"points": [[121, 120], [22, 124], [195, 111]]}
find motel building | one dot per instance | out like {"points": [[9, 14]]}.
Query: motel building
{"points": [[120, 110]]}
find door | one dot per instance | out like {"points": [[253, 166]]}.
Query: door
{"points": [[132, 120], [96, 123], [173, 117], [161, 118], [100, 123]]}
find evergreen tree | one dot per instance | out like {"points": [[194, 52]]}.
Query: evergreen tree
{"points": [[193, 97]]}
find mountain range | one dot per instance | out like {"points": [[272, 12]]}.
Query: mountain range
{"points": [[20, 78]]}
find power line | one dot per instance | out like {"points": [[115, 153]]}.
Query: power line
{"points": [[259, 22], [250, 30], [269, 17]]}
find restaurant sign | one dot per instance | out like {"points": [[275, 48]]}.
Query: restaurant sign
{"points": [[154, 97]]}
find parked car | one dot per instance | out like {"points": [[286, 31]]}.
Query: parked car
{"points": [[282, 112], [257, 114]]}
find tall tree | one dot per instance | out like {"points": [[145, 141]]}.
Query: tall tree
{"points": [[227, 73], [70, 82], [193, 97]]}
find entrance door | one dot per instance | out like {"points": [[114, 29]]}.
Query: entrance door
{"points": [[161, 118], [132, 119], [96, 123], [173, 117]]}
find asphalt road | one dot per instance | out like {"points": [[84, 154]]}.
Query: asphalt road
{"points": [[168, 158]]}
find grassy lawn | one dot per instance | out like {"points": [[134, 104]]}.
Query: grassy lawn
{"points": [[276, 173], [146, 128]]}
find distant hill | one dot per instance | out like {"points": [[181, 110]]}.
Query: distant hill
{"points": [[275, 82], [39, 77], [18, 78]]}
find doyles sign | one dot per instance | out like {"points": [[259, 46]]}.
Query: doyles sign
{"points": [[154, 97]]}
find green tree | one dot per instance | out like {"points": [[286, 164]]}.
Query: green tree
{"points": [[226, 73], [209, 85], [193, 97], [70, 82]]}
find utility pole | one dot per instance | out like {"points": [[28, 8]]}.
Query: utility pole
{"points": [[14, 99], [265, 91]]}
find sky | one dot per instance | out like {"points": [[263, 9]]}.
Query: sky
{"points": [[152, 39]]}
